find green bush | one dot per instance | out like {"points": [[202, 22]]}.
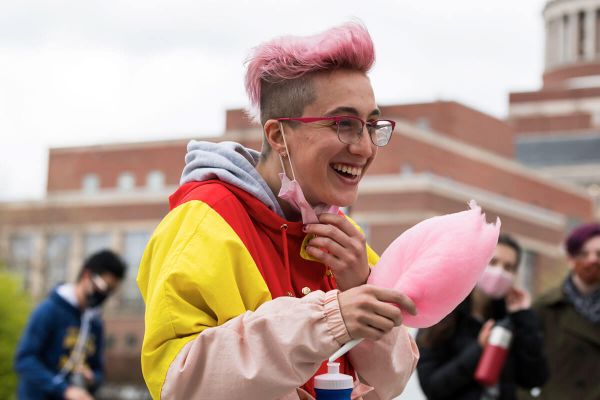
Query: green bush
{"points": [[15, 305]]}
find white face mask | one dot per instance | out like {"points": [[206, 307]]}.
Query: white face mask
{"points": [[495, 281], [292, 193]]}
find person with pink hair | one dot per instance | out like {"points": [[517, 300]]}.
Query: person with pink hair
{"points": [[255, 277]]}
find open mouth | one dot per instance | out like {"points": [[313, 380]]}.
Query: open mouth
{"points": [[347, 171]]}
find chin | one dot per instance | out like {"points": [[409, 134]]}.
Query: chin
{"points": [[344, 201]]}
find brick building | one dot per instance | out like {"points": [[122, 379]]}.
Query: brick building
{"points": [[442, 155]]}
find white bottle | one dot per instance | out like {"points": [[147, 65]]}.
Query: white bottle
{"points": [[333, 385]]}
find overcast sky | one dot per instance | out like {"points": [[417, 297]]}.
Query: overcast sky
{"points": [[88, 72]]}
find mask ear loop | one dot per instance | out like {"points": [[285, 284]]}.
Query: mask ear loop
{"points": [[288, 153]]}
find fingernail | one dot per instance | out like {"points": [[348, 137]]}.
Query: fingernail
{"points": [[304, 228]]}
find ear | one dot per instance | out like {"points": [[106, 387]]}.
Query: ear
{"points": [[274, 136], [84, 276]]}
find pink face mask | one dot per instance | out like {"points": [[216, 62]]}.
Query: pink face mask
{"points": [[292, 193], [495, 281]]}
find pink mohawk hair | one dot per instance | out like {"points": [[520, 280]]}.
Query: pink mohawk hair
{"points": [[346, 46]]}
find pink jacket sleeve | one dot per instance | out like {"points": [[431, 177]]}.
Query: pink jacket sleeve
{"points": [[269, 353], [264, 354], [386, 364]]}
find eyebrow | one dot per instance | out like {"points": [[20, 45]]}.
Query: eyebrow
{"points": [[353, 111]]}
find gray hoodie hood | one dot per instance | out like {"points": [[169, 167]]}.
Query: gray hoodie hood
{"points": [[229, 162]]}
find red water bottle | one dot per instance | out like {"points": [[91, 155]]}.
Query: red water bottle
{"points": [[494, 354]]}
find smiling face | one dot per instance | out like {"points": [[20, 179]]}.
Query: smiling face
{"points": [[328, 170]]}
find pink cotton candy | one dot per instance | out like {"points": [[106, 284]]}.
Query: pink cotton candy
{"points": [[437, 262]]}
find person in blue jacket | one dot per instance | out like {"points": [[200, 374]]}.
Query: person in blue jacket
{"points": [[60, 352]]}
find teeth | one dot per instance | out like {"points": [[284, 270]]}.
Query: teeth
{"points": [[356, 171]]}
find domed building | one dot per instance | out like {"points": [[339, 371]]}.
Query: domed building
{"points": [[557, 128]]}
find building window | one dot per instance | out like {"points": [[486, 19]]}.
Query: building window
{"points": [[581, 38], [109, 342], [552, 41], [155, 180], [126, 181], [406, 169], [597, 31], [20, 258], [131, 341], [565, 48], [90, 183], [526, 270], [94, 242], [134, 244], [422, 123], [57, 259]]}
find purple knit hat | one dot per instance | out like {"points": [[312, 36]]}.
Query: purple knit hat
{"points": [[579, 236]]}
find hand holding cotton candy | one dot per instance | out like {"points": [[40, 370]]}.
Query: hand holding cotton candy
{"points": [[436, 263]]}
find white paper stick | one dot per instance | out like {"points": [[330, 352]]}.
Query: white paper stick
{"points": [[344, 349]]}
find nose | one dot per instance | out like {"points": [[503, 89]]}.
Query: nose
{"points": [[363, 147]]}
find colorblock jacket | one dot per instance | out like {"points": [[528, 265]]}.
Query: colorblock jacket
{"points": [[236, 310]]}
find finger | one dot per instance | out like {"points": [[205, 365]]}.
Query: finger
{"points": [[329, 231], [377, 322], [367, 332], [515, 292], [393, 296], [323, 242], [381, 323], [326, 258], [342, 223], [388, 311]]}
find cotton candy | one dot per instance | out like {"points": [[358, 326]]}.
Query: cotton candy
{"points": [[437, 262]]}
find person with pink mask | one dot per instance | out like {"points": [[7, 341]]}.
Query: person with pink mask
{"points": [[255, 277], [452, 349], [570, 316]]}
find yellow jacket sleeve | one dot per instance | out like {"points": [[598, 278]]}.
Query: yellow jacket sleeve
{"points": [[195, 274]]}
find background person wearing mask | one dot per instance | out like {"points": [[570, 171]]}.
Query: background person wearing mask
{"points": [[570, 316], [60, 353], [450, 350]]}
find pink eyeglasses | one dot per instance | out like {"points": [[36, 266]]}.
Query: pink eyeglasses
{"points": [[349, 128]]}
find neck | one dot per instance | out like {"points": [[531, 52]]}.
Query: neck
{"points": [[479, 303], [584, 288], [80, 294], [269, 169]]}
